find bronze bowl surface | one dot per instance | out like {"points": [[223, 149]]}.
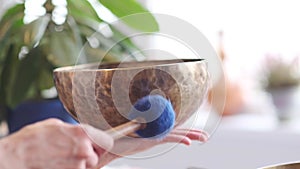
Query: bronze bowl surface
{"points": [[294, 165], [102, 95]]}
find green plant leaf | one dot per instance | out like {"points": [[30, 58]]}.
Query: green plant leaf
{"points": [[144, 22], [98, 54], [4, 74], [117, 46], [13, 12], [3, 112], [127, 45], [10, 37], [8, 75], [10, 23], [27, 72], [10, 46], [13, 16], [83, 10], [45, 79], [34, 31], [62, 49], [77, 37], [86, 30]]}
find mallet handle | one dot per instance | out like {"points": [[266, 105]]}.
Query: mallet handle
{"points": [[124, 129]]}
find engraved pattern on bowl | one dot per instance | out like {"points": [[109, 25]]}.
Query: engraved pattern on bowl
{"points": [[103, 95]]}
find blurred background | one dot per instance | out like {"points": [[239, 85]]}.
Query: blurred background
{"points": [[259, 44]]}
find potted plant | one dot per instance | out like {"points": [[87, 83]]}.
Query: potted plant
{"points": [[38, 36], [281, 80]]}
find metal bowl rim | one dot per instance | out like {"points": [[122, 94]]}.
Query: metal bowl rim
{"points": [[85, 67], [284, 164]]}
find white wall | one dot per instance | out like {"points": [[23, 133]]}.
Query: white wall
{"points": [[251, 28]]}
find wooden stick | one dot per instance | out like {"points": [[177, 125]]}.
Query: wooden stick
{"points": [[125, 129]]}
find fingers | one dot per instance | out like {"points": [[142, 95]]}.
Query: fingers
{"points": [[100, 138], [192, 134], [86, 152], [186, 136], [192, 130], [92, 161], [175, 138], [129, 146], [93, 144]]}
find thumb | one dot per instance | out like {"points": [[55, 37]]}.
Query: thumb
{"points": [[100, 139]]}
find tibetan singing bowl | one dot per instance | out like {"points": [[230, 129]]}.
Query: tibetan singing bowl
{"points": [[284, 166], [102, 95]]}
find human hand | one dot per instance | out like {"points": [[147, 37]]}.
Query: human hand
{"points": [[128, 146], [52, 144]]}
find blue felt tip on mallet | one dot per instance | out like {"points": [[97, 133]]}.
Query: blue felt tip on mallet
{"points": [[152, 116]]}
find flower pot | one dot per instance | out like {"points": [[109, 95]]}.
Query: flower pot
{"points": [[33, 111], [284, 101]]}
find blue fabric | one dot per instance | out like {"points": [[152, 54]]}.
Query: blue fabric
{"points": [[158, 114], [33, 111]]}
